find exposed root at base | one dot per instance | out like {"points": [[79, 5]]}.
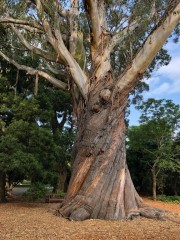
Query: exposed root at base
{"points": [[81, 214], [147, 212], [59, 214]]}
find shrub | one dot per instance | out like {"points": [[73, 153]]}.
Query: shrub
{"points": [[61, 192], [36, 191], [171, 199]]}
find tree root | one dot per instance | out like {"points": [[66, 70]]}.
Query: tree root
{"points": [[147, 212], [81, 214], [58, 213], [133, 215]]}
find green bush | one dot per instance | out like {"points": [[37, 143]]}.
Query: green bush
{"points": [[36, 191], [171, 199], [61, 193]]}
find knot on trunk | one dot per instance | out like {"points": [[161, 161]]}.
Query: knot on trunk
{"points": [[96, 108], [105, 94]]}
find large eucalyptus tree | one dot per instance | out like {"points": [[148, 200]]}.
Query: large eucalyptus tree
{"points": [[103, 48]]}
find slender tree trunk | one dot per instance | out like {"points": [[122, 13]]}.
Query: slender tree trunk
{"points": [[62, 175], [8, 186], [2, 187], [153, 183], [101, 186]]}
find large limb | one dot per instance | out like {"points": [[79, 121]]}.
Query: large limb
{"points": [[152, 45], [105, 65], [31, 24], [33, 71], [117, 39], [96, 13], [57, 43], [73, 19]]}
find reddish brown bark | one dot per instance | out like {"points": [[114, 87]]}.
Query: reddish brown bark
{"points": [[101, 186]]}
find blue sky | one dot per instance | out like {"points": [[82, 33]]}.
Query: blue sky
{"points": [[164, 83]]}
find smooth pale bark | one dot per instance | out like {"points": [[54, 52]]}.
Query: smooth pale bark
{"points": [[149, 49], [33, 71]]}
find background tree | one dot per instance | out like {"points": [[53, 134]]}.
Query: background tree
{"points": [[29, 148], [57, 116], [153, 140], [80, 39]]}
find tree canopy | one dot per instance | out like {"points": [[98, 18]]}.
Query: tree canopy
{"points": [[63, 37], [33, 137]]}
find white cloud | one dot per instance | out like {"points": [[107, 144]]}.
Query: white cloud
{"points": [[172, 70], [173, 48], [166, 80]]}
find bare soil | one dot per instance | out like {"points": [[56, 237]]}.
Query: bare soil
{"points": [[21, 221]]}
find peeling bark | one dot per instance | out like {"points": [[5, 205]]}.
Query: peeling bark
{"points": [[101, 186]]}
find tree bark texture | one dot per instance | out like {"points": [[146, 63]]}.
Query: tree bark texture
{"points": [[101, 186]]}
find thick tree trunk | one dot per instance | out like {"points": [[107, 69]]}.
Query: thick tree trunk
{"points": [[2, 187], [101, 186]]}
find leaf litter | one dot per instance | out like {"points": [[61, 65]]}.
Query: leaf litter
{"points": [[31, 221]]}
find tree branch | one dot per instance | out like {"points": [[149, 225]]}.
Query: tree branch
{"points": [[33, 71], [120, 36], [33, 49], [77, 74], [34, 25], [105, 57], [73, 26], [57, 43], [48, 32], [55, 71], [152, 45], [61, 11], [96, 12], [31, 29]]}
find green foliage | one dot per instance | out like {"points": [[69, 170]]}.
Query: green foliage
{"points": [[171, 199], [36, 191], [32, 145], [60, 192], [161, 109], [152, 146]]}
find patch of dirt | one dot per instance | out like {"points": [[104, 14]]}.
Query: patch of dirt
{"points": [[30, 221]]}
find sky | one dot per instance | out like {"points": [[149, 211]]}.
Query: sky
{"points": [[164, 83]]}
